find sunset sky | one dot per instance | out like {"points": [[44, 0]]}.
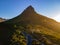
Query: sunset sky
{"points": [[12, 8]]}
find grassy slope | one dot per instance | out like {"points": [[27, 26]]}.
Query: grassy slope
{"points": [[50, 35]]}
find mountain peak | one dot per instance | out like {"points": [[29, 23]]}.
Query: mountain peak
{"points": [[29, 9]]}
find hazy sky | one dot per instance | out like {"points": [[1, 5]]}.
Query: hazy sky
{"points": [[12, 8]]}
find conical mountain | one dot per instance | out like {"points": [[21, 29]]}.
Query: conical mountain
{"points": [[29, 16], [42, 29]]}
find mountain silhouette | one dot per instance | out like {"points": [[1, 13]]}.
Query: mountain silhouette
{"points": [[37, 28], [29, 16]]}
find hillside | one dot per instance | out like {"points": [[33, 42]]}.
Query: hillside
{"points": [[30, 28], [29, 16], [1, 19]]}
